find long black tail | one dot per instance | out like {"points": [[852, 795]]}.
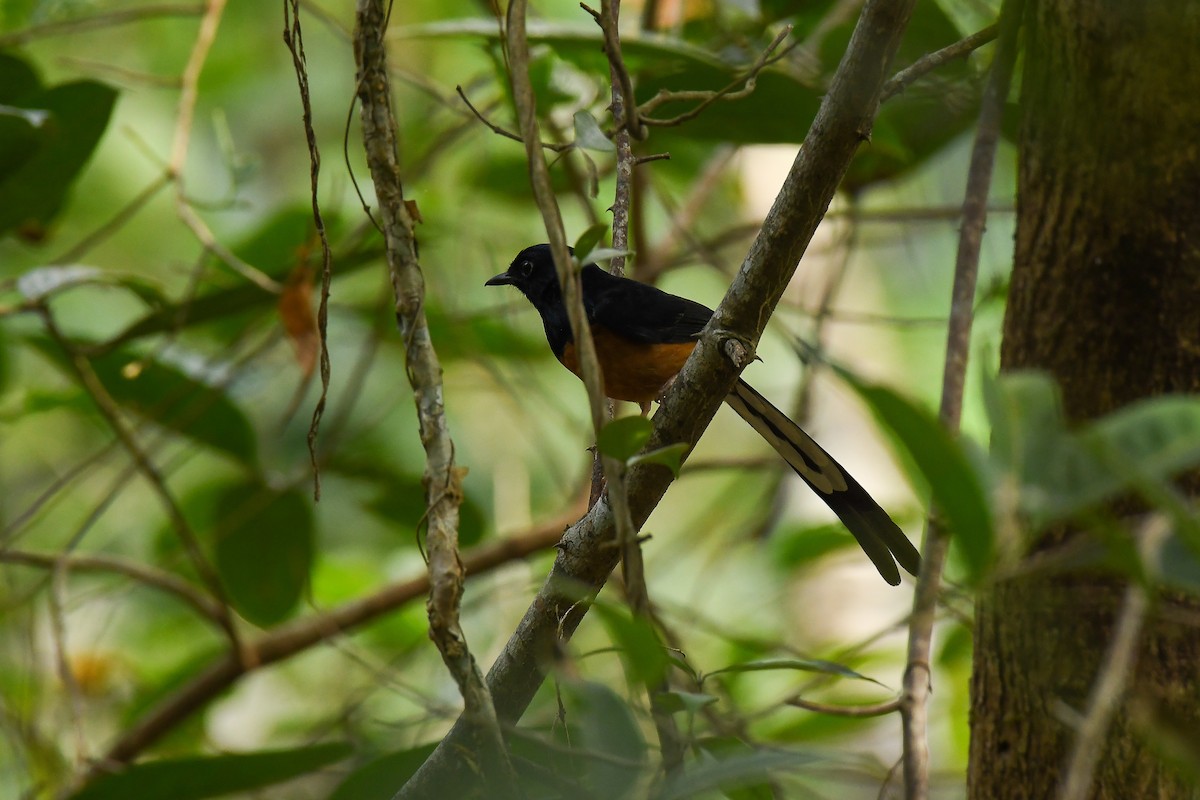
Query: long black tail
{"points": [[883, 542]]}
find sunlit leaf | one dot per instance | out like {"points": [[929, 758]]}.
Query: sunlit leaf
{"points": [[670, 457], [211, 776], [588, 134], [264, 549], [605, 253], [39, 283], [674, 702]]}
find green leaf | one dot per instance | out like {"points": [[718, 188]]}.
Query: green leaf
{"points": [[401, 502], [609, 732], [804, 545], [588, 241], [642, 652], [380, 777], [734, 768], [605, 253], [166, 396], [21, 134], [588, 134], [670, 457], [32, 192], [264, 549], [956, 489], [674, 701], [211, 776], [801, 664], [18, 79], [623, 438], [1025, 412]]}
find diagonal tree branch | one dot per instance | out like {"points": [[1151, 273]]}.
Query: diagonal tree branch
{"points": [[586, 556]]}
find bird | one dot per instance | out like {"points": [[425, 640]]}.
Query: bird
{"points": [[644, 335]]}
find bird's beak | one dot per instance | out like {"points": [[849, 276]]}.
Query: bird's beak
{"points": [[503, 279]]}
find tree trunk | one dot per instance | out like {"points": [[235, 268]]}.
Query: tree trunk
{"points": [[1105, 295]]}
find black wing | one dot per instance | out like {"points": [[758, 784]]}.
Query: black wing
{"points": [[639, 311]]}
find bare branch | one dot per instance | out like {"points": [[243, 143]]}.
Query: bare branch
{"points": [[293, 37], [915, 698], [1107, 694], [928, 63], [442, 478], [747, 81]]}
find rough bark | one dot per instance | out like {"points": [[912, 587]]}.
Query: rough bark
{"points": [[1105, 295]]}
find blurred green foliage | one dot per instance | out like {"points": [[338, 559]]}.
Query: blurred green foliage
{"points": [[184, 335]]}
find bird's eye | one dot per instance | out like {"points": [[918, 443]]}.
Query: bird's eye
{"points": [[525, 268]]}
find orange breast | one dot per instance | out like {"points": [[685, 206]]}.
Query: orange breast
{"points": [[632, 371]]}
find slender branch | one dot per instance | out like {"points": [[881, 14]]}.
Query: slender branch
{"points": [[155, 578], [123, 16], [442, 478], [914, 709], [293, 37], [931, 61], [507, 134], [585, 556], [748, 81], [1107, 694], [624, 111], [189, 82], [297, 637], [856, 712]]}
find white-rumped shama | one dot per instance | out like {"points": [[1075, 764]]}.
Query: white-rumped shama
{"points": [[643, 336]]}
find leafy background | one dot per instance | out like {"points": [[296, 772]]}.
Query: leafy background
{"points": [[208, 360]]}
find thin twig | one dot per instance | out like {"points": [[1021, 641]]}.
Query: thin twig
{"points": [[116, 222], [507, 134], [148, 576], [442, 478], [931, 61], [624, 111], [112, 19], [914, 710], [748, 81], [293, 37], [856, 712], [1107, 694], [298, 636], [189, 82]]}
